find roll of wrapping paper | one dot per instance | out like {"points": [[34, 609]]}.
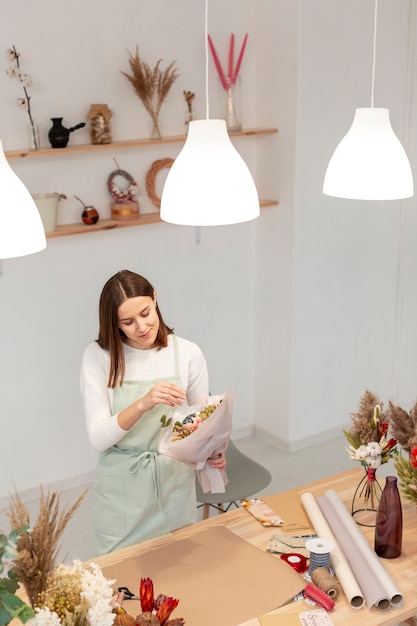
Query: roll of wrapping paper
{"points": [[377, 585], [340, 565]]}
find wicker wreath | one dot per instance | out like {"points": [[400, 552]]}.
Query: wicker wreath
{"points": [[122, 195], [155, 168]]}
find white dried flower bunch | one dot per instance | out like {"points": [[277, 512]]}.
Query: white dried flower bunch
{"points": [[14, 71]]}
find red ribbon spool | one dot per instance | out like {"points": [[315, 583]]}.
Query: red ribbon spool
{"points": [[297, 561]]}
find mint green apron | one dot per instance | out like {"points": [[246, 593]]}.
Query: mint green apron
{"points": [[139, 493]]}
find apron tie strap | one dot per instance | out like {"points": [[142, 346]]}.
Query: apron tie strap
{"points": [[143, 460]]}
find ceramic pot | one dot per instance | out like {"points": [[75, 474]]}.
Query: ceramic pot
{"points": [[58, 135]]}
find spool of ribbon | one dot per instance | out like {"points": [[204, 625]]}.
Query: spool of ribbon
{"points": [[297, 561], [319, 553], [312, 592], [322, 578]]}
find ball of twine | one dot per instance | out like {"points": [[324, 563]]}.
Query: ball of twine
{"points": [[151, 175]]}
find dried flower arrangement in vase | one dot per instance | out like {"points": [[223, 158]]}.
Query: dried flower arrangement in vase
{"points": [[14, 71], [151, 86], [369, 444]]}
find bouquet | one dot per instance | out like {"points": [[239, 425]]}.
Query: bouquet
{"points": [[187, 437], [368, 436]]}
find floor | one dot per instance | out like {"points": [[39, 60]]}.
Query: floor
{"points": [[288, 469]]}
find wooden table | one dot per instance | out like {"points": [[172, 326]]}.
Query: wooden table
{"points": [[403, 570]]}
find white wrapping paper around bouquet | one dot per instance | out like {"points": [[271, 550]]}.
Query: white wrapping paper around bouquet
{"points": [[211, 437]]}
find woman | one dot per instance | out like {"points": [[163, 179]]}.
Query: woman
{"points": [[135, 372]]}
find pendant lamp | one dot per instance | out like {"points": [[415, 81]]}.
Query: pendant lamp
{"points": [[21, 229], [209, 184], [369, 163]]}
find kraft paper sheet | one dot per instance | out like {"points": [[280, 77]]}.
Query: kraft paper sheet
{"points": [[377, 585], [217, 576], [341, 567]]}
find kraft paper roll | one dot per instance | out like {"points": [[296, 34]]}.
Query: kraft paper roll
{"points": [[377, 585], [340, 565]]}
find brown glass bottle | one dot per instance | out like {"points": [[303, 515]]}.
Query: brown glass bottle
{"points": [[389, 521]]}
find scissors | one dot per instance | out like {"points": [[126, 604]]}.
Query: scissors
{"points": [[127, 594]]}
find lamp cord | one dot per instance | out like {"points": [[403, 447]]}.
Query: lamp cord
{"points": [[374, 54], [206, 52]]}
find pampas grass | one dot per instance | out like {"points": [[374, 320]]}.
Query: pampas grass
{"points": [[38, 548], [404, 425], [151, 86]]}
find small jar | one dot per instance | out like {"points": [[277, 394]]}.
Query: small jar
{"points": [[99, 116]]}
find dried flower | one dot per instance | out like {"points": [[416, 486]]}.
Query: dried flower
{"points": [[407, 474], [403, 425], [367, 438], [14, 71], [37, 550], [76, 596], [190, 423], [156, 610], [228, 79], [151, 86], [146, 594]]}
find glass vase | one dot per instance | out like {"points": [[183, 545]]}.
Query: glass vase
{"points": [[389, 521], [366, 499], [233, 106], [33, 135], [154, 132]]}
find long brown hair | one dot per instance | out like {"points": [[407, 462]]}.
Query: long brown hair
{"points": [[123, 285]]}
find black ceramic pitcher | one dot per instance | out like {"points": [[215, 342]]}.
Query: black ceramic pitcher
{"points": [[59, 135]]}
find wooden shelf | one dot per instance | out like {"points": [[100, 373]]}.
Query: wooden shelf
{"points": [[118, 145], [64, 230], [147, 218]]}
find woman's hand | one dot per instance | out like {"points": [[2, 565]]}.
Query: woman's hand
{"points": [[218, 461], [163, 393]]}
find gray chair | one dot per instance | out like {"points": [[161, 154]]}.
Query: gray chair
{"points": [[246, 478]]}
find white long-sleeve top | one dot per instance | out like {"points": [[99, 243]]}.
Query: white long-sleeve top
{"points": [[145, 365]]}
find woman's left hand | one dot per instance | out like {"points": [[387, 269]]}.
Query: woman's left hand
{"points": [[218, 461]]}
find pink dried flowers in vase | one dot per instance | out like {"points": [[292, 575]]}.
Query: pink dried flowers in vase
{"points": [[229, 80]]}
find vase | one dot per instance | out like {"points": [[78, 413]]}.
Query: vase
{"points": [[366, 499], [58, 135], [233, 108], [154, 132], [33, 135], [389, 522]]}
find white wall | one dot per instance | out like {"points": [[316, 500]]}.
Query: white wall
{"points": [[352, 265], [74, 54], [298, 311]]}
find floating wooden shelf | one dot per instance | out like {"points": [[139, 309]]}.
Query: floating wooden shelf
{"points": [[108, 224], [118, 145], [146, 218]]}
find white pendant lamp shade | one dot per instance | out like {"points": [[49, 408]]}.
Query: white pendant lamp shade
{"points": [[369, 163], [209, 183], [21, 229]]}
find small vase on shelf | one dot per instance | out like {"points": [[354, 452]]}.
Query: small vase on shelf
{"points": [[58, 135], [154, 132], [233, 108], [366, 498], [33, 135]]}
